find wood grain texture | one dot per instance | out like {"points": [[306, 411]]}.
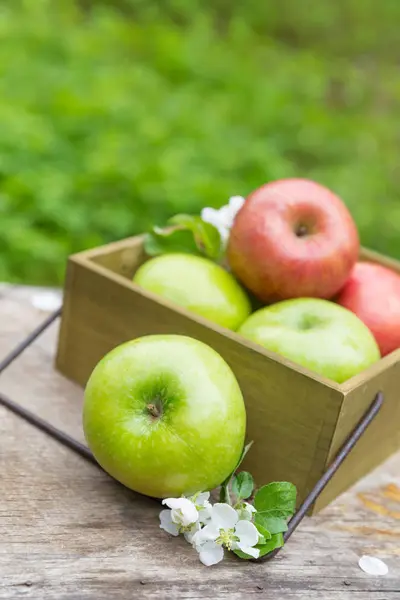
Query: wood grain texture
{"points": [[69, 532], [291, 417]]}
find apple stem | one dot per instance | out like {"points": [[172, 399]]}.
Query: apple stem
{"points": [[153, 410], [301, 231]]}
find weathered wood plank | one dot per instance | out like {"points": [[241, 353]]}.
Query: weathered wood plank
{"points": [[69, 532]]}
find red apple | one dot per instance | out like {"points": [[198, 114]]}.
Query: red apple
{"points": [[293, 238], [373, 293]]}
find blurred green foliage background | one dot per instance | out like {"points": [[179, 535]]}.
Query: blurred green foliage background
{"points": [[116, 115]]}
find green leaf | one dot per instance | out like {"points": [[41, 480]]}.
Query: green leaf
{"points": [[207, 237], [263, 531], [271, 524], [277, 499], [261, 539], [276, 541], [164, 241], [243, 485]]}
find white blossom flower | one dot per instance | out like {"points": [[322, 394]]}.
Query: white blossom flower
{"points": [[180, 518], [223, 218], [186, 514], [167, 523], [246, 511], [203, 505], [188, 535], [225, 529]]}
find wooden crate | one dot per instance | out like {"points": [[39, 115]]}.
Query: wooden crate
{"points": [[297, 419]]}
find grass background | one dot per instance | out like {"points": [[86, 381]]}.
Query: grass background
{"points": [[116, 115]]}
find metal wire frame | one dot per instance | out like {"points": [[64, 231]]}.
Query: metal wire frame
{"points": [[84, 451]]}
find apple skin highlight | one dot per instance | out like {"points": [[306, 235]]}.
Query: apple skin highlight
{"points": [[165, 416], [293, 238]]}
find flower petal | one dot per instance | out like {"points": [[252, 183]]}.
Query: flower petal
{"points": [[167, 524], [205, 513], [246, 511], [211, 554], [211, 215], [175, 503], [202, 498], [188, 535], [184, 511], [247, 533], [254, 552], [207, 534], [236, 203], [226, 216], [373, 566], [224, 516]]}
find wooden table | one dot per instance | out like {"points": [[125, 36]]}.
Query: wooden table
{"points": [[70, 532]]}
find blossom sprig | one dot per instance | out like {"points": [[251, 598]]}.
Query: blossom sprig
{"points": [[205, 234], [249, 529]]}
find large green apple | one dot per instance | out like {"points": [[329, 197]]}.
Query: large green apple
{"points": [[164, 415], [317, 334], [199, 285]]}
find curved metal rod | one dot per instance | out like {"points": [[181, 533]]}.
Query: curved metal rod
{"points": [[48, 428], [84, 451], [9, 358], [342, 454]]}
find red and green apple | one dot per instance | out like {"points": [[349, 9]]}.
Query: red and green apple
{"points": [[372, 292], [293, 238]]}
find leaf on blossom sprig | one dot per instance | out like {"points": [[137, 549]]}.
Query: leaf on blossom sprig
{"points": [[242, 485], [185, 233], [275, 503], [224, 495], [263, 531], [276, 541]]}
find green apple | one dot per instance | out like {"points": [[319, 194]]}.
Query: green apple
{"points": [[199, 285], [317, 334], [164, 415]]}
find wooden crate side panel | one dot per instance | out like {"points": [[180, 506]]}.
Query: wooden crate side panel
{"points": [[123, 260], [287, 410], [68, 298], [381, 439]]}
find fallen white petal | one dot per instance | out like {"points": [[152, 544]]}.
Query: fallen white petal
{"points": [[373, 565], [211, 554], [167, 524], [247, 533], [46, 301], [224, 516]]}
